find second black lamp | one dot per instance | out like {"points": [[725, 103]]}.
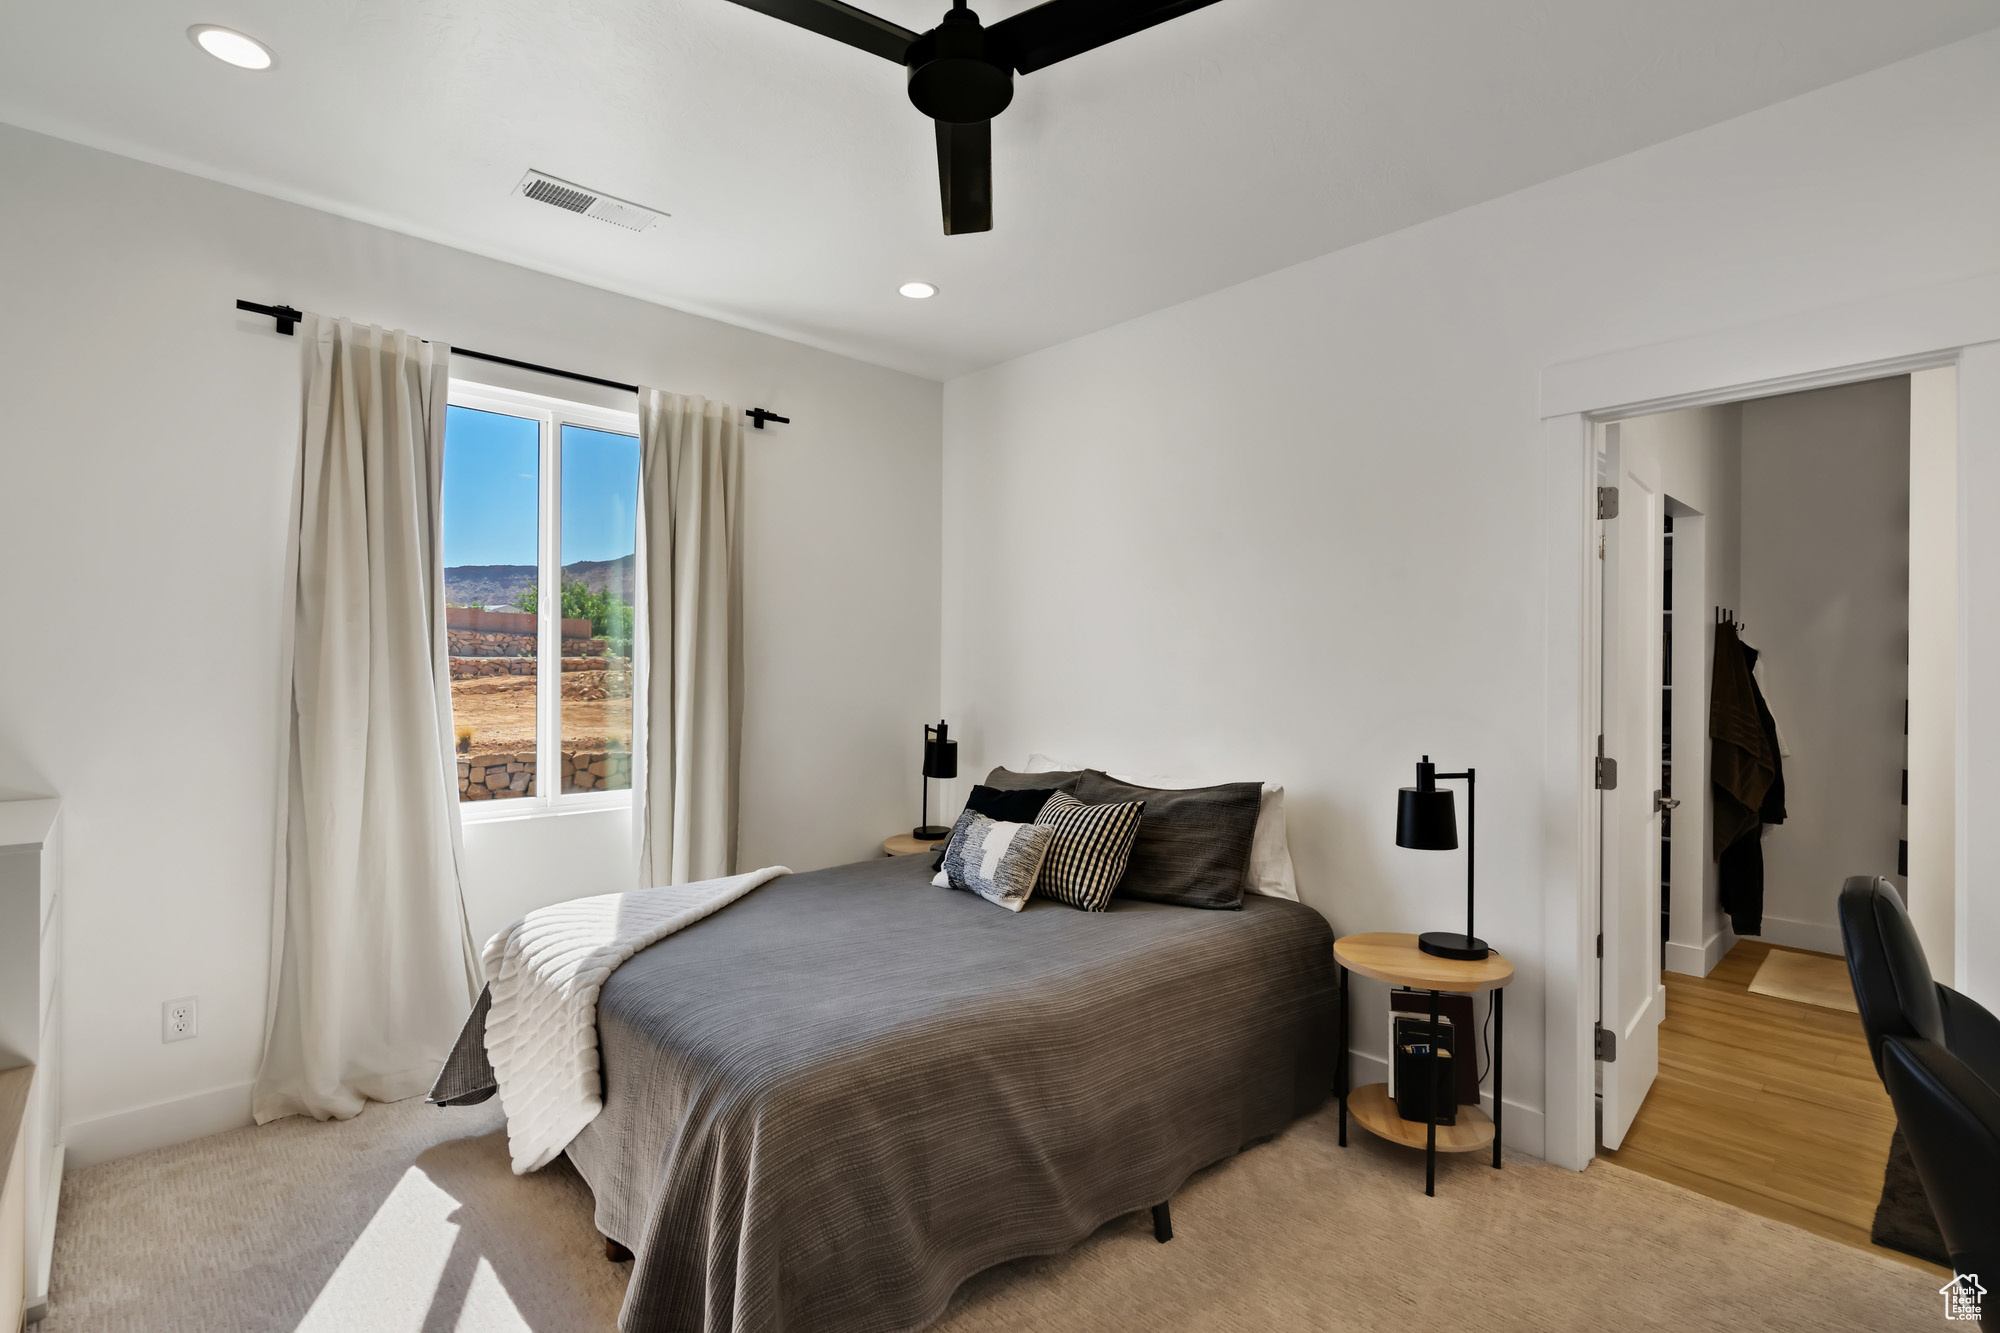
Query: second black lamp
{"points": [[940, 761], [1427, 819]]}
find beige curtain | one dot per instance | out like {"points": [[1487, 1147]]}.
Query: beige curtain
{"points": [[689, 696], [372, 963]]}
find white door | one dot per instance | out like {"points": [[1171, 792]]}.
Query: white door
{"points": [[1631, 998]]}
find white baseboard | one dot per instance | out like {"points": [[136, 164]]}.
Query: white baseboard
{"points": [[1700, 960], [1802, 935], [1521, 1128], [36, 1307], [123, 1133]]}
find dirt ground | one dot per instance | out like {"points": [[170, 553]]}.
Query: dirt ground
{"points": [[501, 712]]}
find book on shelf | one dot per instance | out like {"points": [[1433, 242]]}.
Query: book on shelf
{"points": [[1454, 1015]]}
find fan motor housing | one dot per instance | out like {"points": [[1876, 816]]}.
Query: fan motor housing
{"points": [[954, 77]]}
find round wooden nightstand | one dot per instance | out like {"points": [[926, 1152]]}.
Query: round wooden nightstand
{"points": [[1396, 959], [905, 845]]}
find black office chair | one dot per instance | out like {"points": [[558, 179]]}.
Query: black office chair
{"points": [[1939, 1056]]}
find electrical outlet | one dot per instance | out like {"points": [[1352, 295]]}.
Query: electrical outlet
{"points": [[177, 1019]]}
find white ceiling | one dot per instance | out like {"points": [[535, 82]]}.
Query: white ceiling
{"points": [[1233, 141]]}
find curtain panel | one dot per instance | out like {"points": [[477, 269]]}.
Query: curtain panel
{"points": [[372, 964], [688, 703]]}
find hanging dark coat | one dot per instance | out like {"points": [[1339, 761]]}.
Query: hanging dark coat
{"points": [[1747, 777]]}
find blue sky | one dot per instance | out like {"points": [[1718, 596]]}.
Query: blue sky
{"points": [[490, 482]]}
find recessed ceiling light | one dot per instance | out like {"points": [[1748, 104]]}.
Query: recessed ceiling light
{"points": [[918, 291], [230, 46]]}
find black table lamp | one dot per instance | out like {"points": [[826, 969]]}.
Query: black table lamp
{"points": [[940, 761], [1427, 821]]}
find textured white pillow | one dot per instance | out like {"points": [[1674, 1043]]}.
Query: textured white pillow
{"points": [[1270, 871], [996, 860]]}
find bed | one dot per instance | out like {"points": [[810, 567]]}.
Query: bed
{"points": [[829, 1104]]}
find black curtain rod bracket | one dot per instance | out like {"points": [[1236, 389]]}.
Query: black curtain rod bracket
{"points": [[288, 318]]}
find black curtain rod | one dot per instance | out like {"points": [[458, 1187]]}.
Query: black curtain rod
{"points": [[287, 318]]}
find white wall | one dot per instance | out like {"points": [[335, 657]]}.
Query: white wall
{"points": [[145, 447], [1826, 568], [1933, 876], [1827, 601], [1976, 933], [1295, 529], [1701, 475]]}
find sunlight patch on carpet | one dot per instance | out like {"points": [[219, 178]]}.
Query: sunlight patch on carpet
{"points": [[397, 1266]]}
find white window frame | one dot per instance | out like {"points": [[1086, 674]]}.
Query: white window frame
{"points": [[551, 414]]}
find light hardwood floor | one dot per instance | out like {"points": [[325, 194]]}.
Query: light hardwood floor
{"points": [[1768, 1104]]}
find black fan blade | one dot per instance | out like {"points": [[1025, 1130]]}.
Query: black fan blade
{"points": [[965, 176], [843, 23], [1036, 38]]}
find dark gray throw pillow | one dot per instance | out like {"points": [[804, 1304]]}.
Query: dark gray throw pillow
{"points": [[1019, 806], [1193, 847], [1006, 779]]}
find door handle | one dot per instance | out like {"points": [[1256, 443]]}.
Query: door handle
{"points": [[1663, 802]]}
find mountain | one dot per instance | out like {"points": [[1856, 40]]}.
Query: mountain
{"points": [[606, 575], [486, 585], [497, 586]]}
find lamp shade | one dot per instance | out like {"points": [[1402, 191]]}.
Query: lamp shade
{"points": [[1426, 816], [941, 755]]}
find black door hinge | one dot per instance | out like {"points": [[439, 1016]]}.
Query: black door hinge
{"points": [[1607, 502], [1607, 1045], [1607, 769]]}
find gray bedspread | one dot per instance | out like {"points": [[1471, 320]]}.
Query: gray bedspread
{"points": [[828, 1105]]}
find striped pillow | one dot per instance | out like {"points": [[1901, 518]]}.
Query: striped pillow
{"points": [[1087, 857]]}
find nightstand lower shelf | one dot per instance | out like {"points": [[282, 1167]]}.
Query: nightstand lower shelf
{"points": [[1371, 1106], [1400, 960]]}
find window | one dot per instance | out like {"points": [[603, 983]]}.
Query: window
{"points": [[540, 527]]}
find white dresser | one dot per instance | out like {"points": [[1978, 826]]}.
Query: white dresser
{"points": [[31, 1019]]}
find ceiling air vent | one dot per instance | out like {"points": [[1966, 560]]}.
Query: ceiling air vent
{"points": [[573, 198]]}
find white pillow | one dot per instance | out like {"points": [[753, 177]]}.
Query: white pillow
{"points": [[1270, 871]]}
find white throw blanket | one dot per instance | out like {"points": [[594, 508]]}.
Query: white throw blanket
{"points": [[545, 972]]}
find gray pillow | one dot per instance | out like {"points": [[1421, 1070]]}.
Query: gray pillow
{"points": [[1193, 847], [998, 861], [1006, 779]]}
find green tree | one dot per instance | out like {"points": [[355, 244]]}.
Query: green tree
{"points": [[610, 616]]}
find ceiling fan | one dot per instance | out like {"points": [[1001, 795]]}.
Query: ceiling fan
{"points": [[962, 72]]}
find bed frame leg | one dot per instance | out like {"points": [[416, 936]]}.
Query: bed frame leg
{"points": [[615, 1252], [1163, 1223]]}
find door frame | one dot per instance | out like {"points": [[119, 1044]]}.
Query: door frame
{"points": [[1955, 323]]}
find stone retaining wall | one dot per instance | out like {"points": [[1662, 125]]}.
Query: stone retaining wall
{"points": [[496, 775], [596, 770], [476, 643]]}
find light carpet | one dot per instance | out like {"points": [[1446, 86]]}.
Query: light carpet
{"points": [[407, 1220]]}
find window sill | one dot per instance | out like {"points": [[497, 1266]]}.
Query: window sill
{"points": [[510, 811]]}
